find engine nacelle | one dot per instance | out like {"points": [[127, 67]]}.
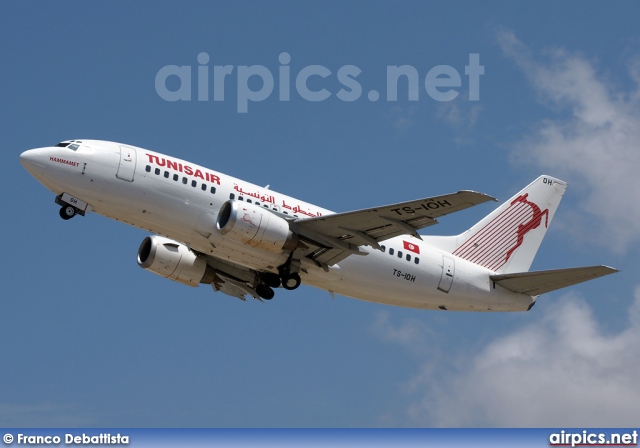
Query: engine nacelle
{"points": [[255, 226], [173, 260]]}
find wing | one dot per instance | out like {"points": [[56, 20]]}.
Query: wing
{"points": [[334, 237], [540, 282]]}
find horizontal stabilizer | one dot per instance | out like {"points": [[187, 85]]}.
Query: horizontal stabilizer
{"points": [[540, 282]]}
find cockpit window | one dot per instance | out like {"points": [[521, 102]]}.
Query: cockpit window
{"points": [[74, 146], [65, 144]]}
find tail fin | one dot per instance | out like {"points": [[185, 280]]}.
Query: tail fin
{"points": [[507, 239]]}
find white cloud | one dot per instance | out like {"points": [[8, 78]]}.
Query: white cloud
{"points": [[561, 370], [598, 141], [413, 334], [403, 119], [459, 114]]}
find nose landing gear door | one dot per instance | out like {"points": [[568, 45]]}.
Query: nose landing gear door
{"points": [[127, 166]]}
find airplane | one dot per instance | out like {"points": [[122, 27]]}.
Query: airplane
{"points": [[246, 240]]}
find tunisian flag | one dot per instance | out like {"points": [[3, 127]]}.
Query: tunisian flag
{"points": [[411, 247]]}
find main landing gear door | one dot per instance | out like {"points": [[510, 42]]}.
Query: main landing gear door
{"points": [[448, 271], [127, 166]]}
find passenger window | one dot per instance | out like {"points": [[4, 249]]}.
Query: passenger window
{"points": [[240, 198], [157, 171], [257, 203], [383, 248], [399, 254], [204, 187], [147, 169], [416, 260], [391, 251], [249, 201], [166, 174], [184, 180], [176, 177], [194, 183], [408, 257], [213, 190], [232, 196]]}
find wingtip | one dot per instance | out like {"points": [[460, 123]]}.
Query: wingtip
{"points": [[484, 196]]}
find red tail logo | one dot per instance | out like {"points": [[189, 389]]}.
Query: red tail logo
{"points": [[494, 244], [534, 223]]}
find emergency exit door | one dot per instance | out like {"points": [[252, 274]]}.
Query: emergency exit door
{"points": [[448, 271]]}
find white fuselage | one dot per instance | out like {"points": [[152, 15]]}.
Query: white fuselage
{"points": [[174, 198]]}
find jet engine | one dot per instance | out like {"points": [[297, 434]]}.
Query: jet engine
{"points": [[255, 226], [173, 260]]}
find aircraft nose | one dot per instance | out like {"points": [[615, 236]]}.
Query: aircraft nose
{"points": [[33, 161]]}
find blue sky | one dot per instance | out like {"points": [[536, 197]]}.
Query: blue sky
{"points": [[90, 339]]}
